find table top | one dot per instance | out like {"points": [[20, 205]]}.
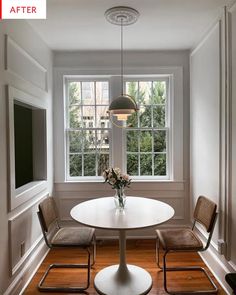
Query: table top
{"points": [[139, 212]]}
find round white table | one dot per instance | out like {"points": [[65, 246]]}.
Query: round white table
{"points": [[122, 279]]}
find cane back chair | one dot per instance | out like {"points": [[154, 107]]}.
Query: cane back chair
{"points": [[185, 240], [231, 280], [56, 236]]}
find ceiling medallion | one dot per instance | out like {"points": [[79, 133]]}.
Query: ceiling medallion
{"points": [[128, 15]]}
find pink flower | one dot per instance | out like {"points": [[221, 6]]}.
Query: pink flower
{"points": [[125, 177], [115, 178]]}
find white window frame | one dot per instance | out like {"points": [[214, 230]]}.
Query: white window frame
{"points": [[175, 75]]}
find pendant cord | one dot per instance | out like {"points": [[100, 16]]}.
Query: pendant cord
{"points": [[121, 55]]}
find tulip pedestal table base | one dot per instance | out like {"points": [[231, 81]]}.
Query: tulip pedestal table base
{"points": [[123, 279], [139, 213]]}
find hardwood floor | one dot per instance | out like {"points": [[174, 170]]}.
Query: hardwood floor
{"points": [[139, 252]]}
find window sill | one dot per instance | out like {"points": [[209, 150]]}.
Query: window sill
{"points": [[134, 180], [136, 185], [27, 192], [27, 188], [85, 180]]}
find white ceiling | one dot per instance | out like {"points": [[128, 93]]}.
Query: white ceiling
{"points": [[163, 24]]}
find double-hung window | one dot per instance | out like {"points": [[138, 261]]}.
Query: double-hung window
{"points": [[147, 132], [89, 131], [87, 127]]}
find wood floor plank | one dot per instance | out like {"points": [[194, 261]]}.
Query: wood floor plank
{"points": [[139, 252]]}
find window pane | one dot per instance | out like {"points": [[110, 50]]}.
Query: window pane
{"points": [[159, 116], [75, 165], [102, 117], [74, 93], [146, 164], [160, 164], [102, 93], [145, 116], [75, 119], [159, 92], [145, 92], [89, 141], [88, 116], [103, 140], [132, 120], [145, 141], [159, 139], [132, 89], [103, 163], [88, 97], [132, 164], [89, 165], [132, 141], [75, 141]]}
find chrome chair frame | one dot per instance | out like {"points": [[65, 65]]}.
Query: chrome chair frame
{"points": [[164, 268], [87, 265]]}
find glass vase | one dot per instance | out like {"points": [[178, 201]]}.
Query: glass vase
{"points": [[120, 198]]}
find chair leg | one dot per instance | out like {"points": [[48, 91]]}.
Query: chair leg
{"points": [[164, 271], [43, 288], [158, 253], [94, 250], [192, 268]]}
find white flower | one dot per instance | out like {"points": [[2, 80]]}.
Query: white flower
{"points": [[115, 178], [117, 172]]}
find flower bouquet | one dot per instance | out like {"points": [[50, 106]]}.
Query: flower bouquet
{"points": [[118, 181]]}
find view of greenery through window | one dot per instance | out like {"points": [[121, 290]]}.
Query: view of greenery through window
{"points": [[146, 135], [88, 128]]}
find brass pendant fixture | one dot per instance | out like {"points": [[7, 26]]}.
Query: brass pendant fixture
{"points": [[124, 105]]}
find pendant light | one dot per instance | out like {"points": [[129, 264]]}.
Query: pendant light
{"points": [[124, 105]]}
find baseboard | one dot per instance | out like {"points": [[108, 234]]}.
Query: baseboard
{"points": [[217, 264], [33, 273], [24, 276]]}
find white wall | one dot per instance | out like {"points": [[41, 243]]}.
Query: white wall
{"points": [[91, 63], [205, 119], [233, 176], [20, 224], [210, 140]]}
